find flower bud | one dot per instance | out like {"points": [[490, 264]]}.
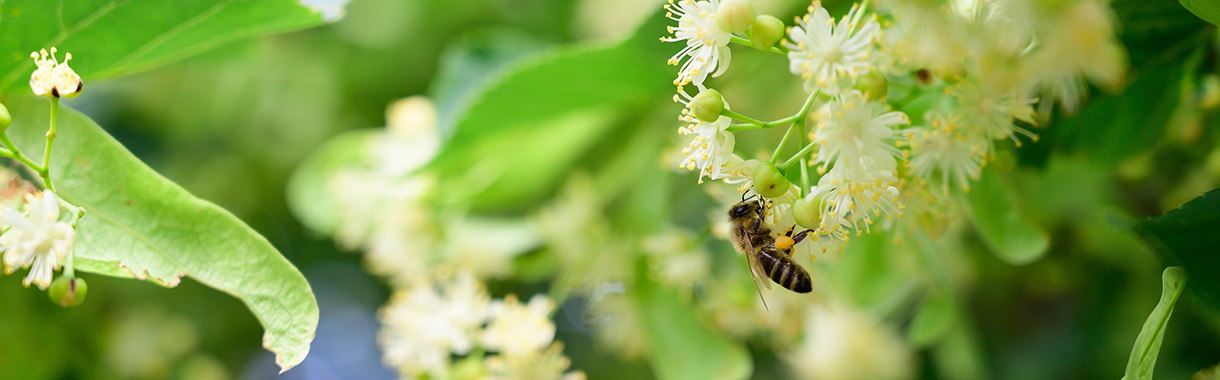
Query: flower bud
{"points": [[707, 105], [735, 15], [873, 84], [5, 118], [766, 31], [807, 212], [769, 181], [68, 291]]}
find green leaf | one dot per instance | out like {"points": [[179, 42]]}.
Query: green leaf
{"points": [[110, 38], [529, 161], [1186, 235], [469, 63], [682, 348], [1114, 127], [308, 190], [1208, 10], [934, 319], [153, 229], [1007, 231], [1148, 343], [560, 81]]}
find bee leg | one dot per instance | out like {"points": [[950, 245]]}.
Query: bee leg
{"points": [[799, 236]]}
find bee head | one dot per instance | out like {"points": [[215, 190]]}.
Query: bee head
{"points": [[744, 210]]}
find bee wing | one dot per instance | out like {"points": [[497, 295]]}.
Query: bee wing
{"points": [[752, 262]]}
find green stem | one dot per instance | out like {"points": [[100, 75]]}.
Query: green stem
{"points": [[69, 267], [764, 125], [796, 157], [15, 153], [804, 152], [46, 155], [778, 49], [782, 142], [735, 115]]}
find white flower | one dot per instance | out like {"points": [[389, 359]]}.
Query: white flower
{"points": [[856, 201], [422, 326], [992, 114], [411, 139], [52, 78], [707, 46], [824, 53], [846, 345], [520, 330], [1079, 42], [709, 149], [944, 149], [37, 240], [857, 136], [541, 365]]}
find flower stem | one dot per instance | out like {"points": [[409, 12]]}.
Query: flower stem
{"points": [[46, 155], [804, 152], [777, 49], [782, 142], [799, 155], [738, 116], [16, 154]]}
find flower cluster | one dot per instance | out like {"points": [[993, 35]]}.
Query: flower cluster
{"points": [[436, 261], [427, 324], [956, 72]]}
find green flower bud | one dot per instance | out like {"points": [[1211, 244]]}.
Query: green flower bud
{"points": [[67, 291], [873, 84], [766, 31], [5, 118], [735, 15], [807, 212], [707, 105], [769, 181]]}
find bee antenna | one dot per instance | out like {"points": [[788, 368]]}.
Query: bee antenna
{"points": [[743, 194]]}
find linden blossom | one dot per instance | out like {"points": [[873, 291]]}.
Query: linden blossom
{"points": [[824, 54], [707, 45], [54, 79]]}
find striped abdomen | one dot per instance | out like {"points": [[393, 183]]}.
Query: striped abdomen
{"points": [[781, 269]]}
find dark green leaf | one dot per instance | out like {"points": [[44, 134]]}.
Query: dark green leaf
{"points": [[682, 347], [1188, 235], [110, 38], [468, 63], [1208, 10], [631, 72], [153, 229], [1002, 224]]}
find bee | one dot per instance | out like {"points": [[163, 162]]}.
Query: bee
{"points": [[766, 255]]}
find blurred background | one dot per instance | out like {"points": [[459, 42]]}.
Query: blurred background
{"points": [[232, 124]]}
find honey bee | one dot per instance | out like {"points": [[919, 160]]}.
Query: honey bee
{"points": [[766, 255]]}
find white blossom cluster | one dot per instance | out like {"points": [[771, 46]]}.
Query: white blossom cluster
{"points": [[425, 325], [440, 321], [979, 62]]}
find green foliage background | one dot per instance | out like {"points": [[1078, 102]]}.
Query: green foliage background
{"points": [[1056, 282]]}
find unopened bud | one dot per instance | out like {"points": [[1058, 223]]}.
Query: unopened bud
{"points": [[5, 118], [769, 181], [766, 31], [68, 291], [807, 212], [873, 84], [735, 15], [707, 105]]}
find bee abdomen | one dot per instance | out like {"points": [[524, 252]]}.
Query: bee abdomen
{"points": [[784, 271]]}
